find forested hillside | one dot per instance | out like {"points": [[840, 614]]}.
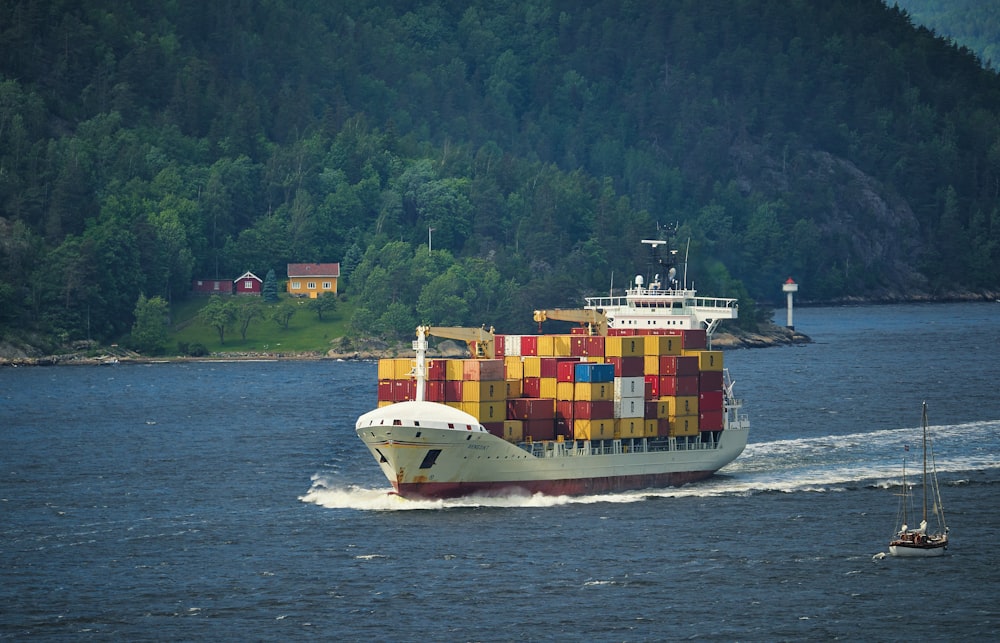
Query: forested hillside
{"points": [[970, 23], [533, 143]]}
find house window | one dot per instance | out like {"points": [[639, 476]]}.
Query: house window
{"points": [[216, 285], [248, 284], [296, 285], [327, 285], [311, 285]]}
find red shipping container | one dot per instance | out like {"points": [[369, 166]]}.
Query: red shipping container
{"points": [[499, 348], [529, 345], [549, 366], [652, 387], [649, 412], [453, 391], [531, 408], [710, 421], [663, 427], [531, 387], [710, 381], [483, 370], [627, 366], [564, 428], [678, 365], [564, 410], [434, 391], [436, 369], [710, 401], [385, 391], [403, 390], [578, 345], [671, 385], [595, 346], [578, 330], [620, 332], [540, 429], [602, 410], [566, 370], [496, 428]]}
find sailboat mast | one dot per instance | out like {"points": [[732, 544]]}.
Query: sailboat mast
{"points": [[924, 421]]}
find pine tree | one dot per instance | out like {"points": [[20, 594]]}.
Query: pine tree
{"points": [[269, 291]]}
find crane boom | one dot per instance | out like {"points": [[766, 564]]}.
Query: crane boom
{"points": [[481, 341], [595, 320]]}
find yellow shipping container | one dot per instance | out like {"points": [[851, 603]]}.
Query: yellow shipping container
{"points": [[562, 345], [532, 366], [630, 427], [683, 425], [488, 391], [624, 346], [664, 345], [546, 346], [385, 369], [454, 370], [514, 388], [670, 406], [593, 429], [513, 430], [486, 411], [547, 387], [707, 360], [565, 390], [593, 391], [513, 367], [651, 364], [650, 429]]}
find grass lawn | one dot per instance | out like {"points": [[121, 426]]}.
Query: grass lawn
{"points": [[305, 331]]}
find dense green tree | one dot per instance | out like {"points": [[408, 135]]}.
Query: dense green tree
{"points": [[325, 303], [149, 332], [219, 313], [246, 309], [282, 314]]}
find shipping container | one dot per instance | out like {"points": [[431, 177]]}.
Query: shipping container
{"points": [[455, 369], [513, 430], [531, 387], [663, 345], [531, 408], [590, 372], [651, 365], [532, 366], [604, 409], [484, 391], [593, 391], [529, 345], [629, 428], [453, 390], [593, 429], [483, 369], [539, 429], [434, 391], [707, 360], [676, 385], [629, 387], [565, 390], [562, 345], [682, 425], [513, 368], [485, 411], [633, 346], [548, 387], [630, 407], [671, 406], [514, 387], [710, 381], [710, 421], [709, 401], [564, 410], [627, 366], [678, 365], [565, 371], [546, 346], [496, 428]]}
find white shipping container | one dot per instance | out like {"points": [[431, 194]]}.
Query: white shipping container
{"points": [[512, 345], [630, 407], [629, 387]]}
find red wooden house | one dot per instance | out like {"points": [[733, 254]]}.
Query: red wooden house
{"points": [[212, 286], [248, 284]]}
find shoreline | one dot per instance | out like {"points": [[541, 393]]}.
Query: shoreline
{"points": [[365, 350]]}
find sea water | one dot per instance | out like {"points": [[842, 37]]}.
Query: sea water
{"points": [[186, 501]]}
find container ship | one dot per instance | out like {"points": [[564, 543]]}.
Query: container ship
{"points": [[632, 398]]}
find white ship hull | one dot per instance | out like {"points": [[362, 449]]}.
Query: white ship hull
{"points": [[430, 450]]}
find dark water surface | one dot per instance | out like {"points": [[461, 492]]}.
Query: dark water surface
{"points": [[190, 501]]}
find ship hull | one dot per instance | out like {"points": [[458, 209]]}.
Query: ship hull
{"points": [[431, 451]]}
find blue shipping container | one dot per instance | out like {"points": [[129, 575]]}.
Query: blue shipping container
{"points": [[594, 373]]}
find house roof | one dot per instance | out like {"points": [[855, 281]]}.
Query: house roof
{"points": [[248, 275], [314, 270]]}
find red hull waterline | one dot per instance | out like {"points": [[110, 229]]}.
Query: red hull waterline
{"points": [[567, 487]]}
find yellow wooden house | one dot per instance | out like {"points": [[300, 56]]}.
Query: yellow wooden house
{"points": [[312, 279]]}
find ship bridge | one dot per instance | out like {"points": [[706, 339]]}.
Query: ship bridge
{"points": [[652, 309]]}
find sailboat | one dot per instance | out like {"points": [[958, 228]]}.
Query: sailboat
{"points": [[921, 542]]}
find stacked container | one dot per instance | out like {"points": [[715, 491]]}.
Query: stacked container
{"points": [[577, 387]]}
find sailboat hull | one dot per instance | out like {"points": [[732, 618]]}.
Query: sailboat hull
{"points": [[912, 550]]}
